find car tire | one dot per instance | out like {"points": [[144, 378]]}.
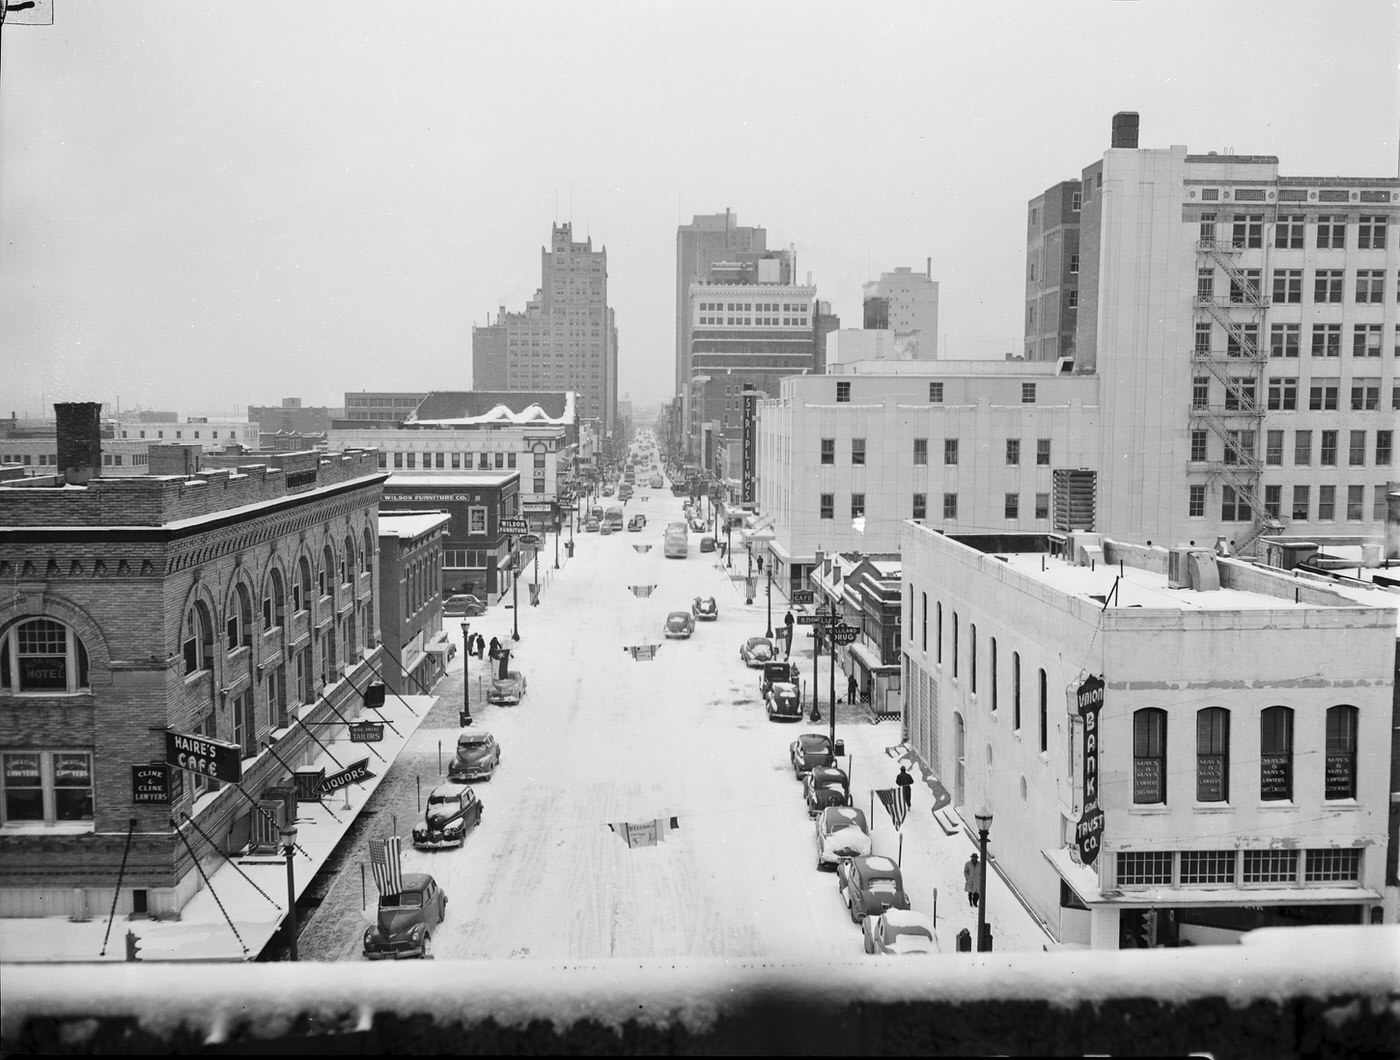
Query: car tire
{"points": [[428, 946], [868, 948]]}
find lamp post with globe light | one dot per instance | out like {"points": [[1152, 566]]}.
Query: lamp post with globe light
{"points": [[984, 825], [466, 718], [289, 848]]}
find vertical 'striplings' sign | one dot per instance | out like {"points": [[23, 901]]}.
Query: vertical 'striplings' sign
{"points": [[750, 406], [1089, 832]]}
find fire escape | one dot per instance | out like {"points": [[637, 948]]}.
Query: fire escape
{"points": [[1240, 368]]}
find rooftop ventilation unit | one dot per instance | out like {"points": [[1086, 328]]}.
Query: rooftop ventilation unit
{"points": [[1192, 568]]}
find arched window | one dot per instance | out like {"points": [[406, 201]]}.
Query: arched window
{"points": [[274, 601], [1341, 752], [367, 554], [42, 655], [1276, 754], [1213, 755], [301, 585], [972, 657], [198, 638], [1149, 756], [325, 574], [937, 629], [1044, 713], [1015, 690], [238, 622], [955, 644], [347, 561]]}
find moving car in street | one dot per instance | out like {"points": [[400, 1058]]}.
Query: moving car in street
{"points": [[657, 482], [898, 933], [808, 751], [679, 625], [707, 543], [478, 755], [677, 543], [405, 921], [508, 690], [841, 833], [756, 651], [783, 702], [463, 605], [869, 885], [591, 525], [635, 524], [452, 810], [704, 608]]}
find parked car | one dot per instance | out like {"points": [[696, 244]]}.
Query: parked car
{"points": [[608, 490], [783, 701], [405, 921], [756, 651], [869, 885], [453, 809], [463, 605], [898, 933], [507, 690], [704, 608], [679, 624], [636, 523], [605, 528], [841, 833], [809, 750], [825, 786], [591, 525], [698, 526], [778, 672], [478, 755], [707, 543]]}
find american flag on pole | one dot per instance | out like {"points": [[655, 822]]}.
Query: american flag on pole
{"points": [[384, 863], [893, 800]]}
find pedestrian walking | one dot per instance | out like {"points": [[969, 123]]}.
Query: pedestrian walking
{"points": [[906, 786], [789, 622], [852, 689], [972, 881], [495, 649]]}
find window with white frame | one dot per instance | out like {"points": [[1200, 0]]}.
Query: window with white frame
{"points": [[43, 656], [198, 638], [46, 787]]}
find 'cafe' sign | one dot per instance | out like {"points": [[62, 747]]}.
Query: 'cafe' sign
{"points": [[1088, 834], [214, 759]]}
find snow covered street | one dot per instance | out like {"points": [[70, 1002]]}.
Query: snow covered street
{"points": [[602, 739]]}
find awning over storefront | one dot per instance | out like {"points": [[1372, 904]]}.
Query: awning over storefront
{"points": [[870, 660], [1085, 883], [439, 646]]}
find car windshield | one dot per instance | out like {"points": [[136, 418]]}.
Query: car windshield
{"points": [[472, 743], [813, 743], [407, 900], [445, 800]]}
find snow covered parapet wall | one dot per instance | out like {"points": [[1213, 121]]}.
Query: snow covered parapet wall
{"points": [[1336, 999]]}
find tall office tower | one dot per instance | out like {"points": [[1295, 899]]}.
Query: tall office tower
{"points": [[566, 337], [1052, 272], [905, 303], [708, 241], [1243, 326]]}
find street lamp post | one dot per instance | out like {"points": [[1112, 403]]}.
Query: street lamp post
{"points": [[289, 848], [769, 633], [515, 594], [466, 718], [728, 545], [984, 825], [558, 533]]}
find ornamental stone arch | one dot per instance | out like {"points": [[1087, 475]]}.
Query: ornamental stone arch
{"points": [[23, 606]]}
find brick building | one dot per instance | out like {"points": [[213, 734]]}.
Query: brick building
{"points": [[235, 606], [410, 599]]}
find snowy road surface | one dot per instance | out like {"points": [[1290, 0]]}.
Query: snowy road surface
{"points": [[601, 739]]}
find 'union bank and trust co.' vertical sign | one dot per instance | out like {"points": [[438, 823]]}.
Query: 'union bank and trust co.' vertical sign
{"points": [[1088, 833]]}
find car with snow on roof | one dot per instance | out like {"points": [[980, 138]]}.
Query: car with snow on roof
{"points": [[635, 524], [478, 755], [679, 625], [899, 933], [756, 651], [869, 885], [842, 832], [783, 702], [508, 690], [452, 810], [825, 786], [404, 921], [809, 750], [704, 608], [777, 671]]}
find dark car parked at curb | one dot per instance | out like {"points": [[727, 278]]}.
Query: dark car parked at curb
{"points": [[478, 755], [452, 810], [869, 885], [405, 921], [809, 750]]}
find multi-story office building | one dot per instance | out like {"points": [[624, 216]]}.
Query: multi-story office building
{"points": [[710, 240], [382, 406], [904, 303], [1174, 746], [292, 417], [975, 447], [1052, 271], [410, 599], [566, 338], [208, 434], [489, 344], [226, 615], [743, 336], [1243, 326]]}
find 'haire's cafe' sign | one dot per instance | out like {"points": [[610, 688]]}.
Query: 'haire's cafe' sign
{"points": [[209, 758]]}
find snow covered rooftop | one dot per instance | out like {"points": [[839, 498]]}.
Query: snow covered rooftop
{"points": [[447, 408], [408, 525], [485, 478]]}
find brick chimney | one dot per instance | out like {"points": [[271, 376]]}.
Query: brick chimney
{"points": [[1125, 129], [79, 440]]}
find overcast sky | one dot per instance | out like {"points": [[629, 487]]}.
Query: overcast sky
{"points": [[206, 205]]}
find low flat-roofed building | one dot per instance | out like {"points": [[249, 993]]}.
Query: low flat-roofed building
{"points": [[410, 599], [1238, 772]]}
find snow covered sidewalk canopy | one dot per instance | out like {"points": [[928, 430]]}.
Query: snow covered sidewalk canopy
{"points": [[1244, 1001]]}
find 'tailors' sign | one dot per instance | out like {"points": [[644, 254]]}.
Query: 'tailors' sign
{"points": [[1088, 834]]}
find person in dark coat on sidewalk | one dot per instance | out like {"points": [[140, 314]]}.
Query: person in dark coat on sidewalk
{"points": [[495, 649], [972, 881], [906, 786], [852, 689], [789, 622]]}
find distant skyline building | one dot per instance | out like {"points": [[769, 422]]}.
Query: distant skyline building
{"points": [[566, 337], [904, 303], [1052, 271]]}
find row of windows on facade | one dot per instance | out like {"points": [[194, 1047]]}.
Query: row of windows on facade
{"points": [[51, 459], [1071, 302], [41, 655], [459, 460], [935, 393], [1073, 270], [1150, 727], [1328, 288], [422, 580], [1236, 868], [951, 451], [1236, 507], [1239, 447], [1324, 394], [1011, 506], [1076, 203], [1246, 231], [1286, 340], [756, 321], [126, 433]]}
